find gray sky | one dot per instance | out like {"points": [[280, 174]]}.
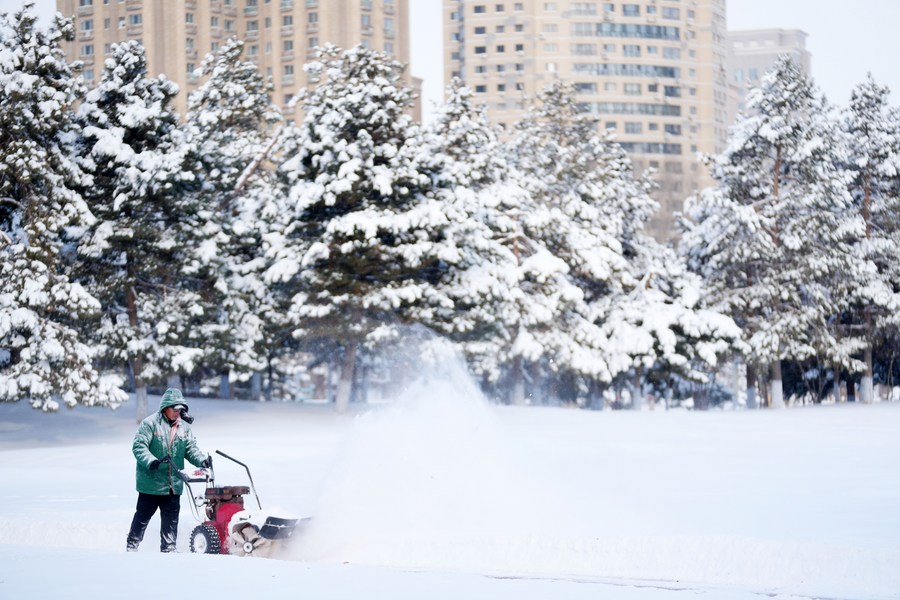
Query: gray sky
{"points": [[846, 39]]}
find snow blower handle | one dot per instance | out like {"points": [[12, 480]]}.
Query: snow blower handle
{"points": [[246, 468]]}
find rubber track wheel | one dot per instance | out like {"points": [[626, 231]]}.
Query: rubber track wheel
{"points": [[205, 540]]}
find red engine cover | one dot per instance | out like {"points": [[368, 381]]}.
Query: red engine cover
{"points": [[223, 516]]}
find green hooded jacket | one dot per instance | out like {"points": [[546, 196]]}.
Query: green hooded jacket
{"points": [[155, 439]]}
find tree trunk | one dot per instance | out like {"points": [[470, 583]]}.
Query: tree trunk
{"points": [[837, 364], [224, 386], [866, 388], [777, 394], [518, 383], [751, 387], [537, 396], [137, 363], [637, 396], [256, 386], [345, 385]]}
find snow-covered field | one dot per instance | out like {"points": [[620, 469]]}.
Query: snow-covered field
{"points": [[442, 496]]}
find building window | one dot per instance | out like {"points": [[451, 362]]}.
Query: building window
{"points": [[551, 48], [673, 53], [121, 22], [214, 47], [501, 87], [480, 8], [288, 70], [631, 10], [653, 126], [480, 89], [229, 25], [366, 21], [480, 30], [268, 22], [188, 17], [631, 50], [288, 20], [550, 28], [585, 88], [550, 6], [632, 89], [87, 25], [584, 49], [520, 87], [518, 6], [135, 19], [673, 129], [85, 2], [480, 69], [611, 125], [501, 48], [313, 17], [501, 68], [499, 8], [584, 8], [107, 23], [214, 21], [287, 46], [480, 49], [632, 127], [389, 47], [500, 29], [87, 50], [669, 12], [251, 25], [519, 27], [520, 47], [609, 7]]}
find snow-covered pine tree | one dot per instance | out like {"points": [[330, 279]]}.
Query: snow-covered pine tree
{"points": [[132, 257], [567, 235], [362, 242], [470, 173], [230, 127], [42, 357], [771, 239], [872, 129]]}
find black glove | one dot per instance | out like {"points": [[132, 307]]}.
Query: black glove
{"points": [[154, 465], [207, 462]]}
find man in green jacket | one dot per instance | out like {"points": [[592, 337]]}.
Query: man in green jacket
{"points": [[162, 442]]}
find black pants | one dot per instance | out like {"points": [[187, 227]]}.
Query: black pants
{"points": [[169, 507]]}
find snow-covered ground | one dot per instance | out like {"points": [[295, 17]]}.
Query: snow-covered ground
{"points": [[442, 496]]}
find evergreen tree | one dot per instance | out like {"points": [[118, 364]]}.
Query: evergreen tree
{"points": [[229, 126], [133, 255], [362, 242], [569, 229], [42, 357], [872, 131], [470, 175], [771, 239]]}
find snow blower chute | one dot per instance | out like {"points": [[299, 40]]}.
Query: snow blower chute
{"points": [[230, 528]]}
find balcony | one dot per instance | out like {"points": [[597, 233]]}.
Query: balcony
{"points": [[190, 28], [287, 5], [84, 10], [287, 55], [86, 35], [312, 27], [251, 35], [135, 30], [215, 32], [287, 31], [134, 4], [251, 11], [190, 4]]}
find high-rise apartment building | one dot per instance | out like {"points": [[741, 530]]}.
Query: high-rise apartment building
{"points": [[280, 35], [754, 51], [653, 71]]}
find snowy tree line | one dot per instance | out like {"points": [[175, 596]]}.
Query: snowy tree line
{"points": [[231, 242], [799, 241]]}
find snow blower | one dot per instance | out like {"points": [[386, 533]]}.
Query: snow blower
{"points": [[230, 528]]}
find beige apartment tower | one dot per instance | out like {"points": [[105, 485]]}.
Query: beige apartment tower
{"points": [[280, 35], [653, 71]]}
